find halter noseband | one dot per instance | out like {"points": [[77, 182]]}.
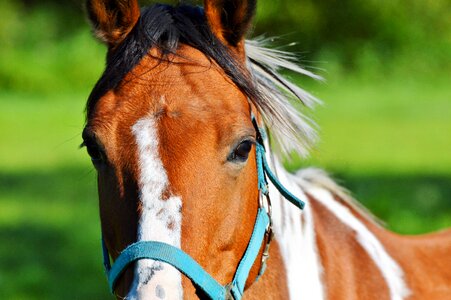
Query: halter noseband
{"points": [[188, 266]]}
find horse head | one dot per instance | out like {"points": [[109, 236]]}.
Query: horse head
{"points": [[170, 132]]}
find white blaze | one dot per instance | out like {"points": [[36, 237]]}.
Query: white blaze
{"points": [[160, 219]]}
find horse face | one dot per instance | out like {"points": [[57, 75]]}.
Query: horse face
{"points": [[175, 164], [172, 143]]}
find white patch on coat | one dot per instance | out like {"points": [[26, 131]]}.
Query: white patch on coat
{"points": [[160, 219], [390, 270], [296, 239]]}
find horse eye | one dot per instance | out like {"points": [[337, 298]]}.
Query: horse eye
{"points": [[96, 154], [95, 150], [241, 152]]}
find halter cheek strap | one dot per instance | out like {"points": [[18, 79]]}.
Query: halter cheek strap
{"points": [[188, 266]]}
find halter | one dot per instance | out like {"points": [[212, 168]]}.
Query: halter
{"points": [[188, 266]]}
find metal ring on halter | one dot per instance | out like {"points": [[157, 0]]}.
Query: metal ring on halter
{"points": [[269, 234], [268, 206]]}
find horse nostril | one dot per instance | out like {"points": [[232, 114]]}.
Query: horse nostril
{"points": [[159, 292]]}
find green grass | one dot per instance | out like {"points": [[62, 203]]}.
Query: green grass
{"points": [[385, 127], [40, 132], [50, 238], [49, 225], [407, 204], [387, 142]]}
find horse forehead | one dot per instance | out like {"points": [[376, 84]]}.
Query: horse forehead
{"points": [[188, 85], [188, 80]]}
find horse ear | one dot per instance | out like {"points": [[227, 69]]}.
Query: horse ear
{"points": [[230, 19], [112, 20]]}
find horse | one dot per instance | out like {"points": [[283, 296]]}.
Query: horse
{"points": [[186, 127]]}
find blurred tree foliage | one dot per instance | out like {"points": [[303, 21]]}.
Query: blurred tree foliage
{"points": [[350, 26], [354, 35]]}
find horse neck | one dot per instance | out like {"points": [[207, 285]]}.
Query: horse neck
{"points": [[326, 240]]}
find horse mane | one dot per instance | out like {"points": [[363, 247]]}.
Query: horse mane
{"points": [[292, 129], [320, 178]]}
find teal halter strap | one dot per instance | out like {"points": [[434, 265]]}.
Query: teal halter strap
{"points": [[264, 170], [188, 266]]}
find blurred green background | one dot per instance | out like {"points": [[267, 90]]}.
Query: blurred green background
{"points": [[385, 125]]}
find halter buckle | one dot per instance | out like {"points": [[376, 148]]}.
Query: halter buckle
{"points": [[269, 234], [268, 206], [228, 292]]}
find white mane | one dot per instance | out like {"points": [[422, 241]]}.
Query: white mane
{"points": [[293, 130]]}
